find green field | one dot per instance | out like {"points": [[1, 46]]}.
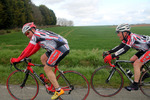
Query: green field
{"points": [[86, 46]]}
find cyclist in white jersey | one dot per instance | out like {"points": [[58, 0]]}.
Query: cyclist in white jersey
{"points": [[56, 46], [130, 40]]}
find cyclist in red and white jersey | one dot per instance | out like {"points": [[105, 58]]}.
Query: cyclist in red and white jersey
{"points": [[56, 46], [131, 40]]}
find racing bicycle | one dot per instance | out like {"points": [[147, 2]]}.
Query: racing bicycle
{"points": [[23, 84], [108, 80]]}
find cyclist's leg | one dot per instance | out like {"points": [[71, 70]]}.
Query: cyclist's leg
{"points": [[76, 85], [61, 53], [138, 64], [49, 70], [133, 58], [51, 76], [137, 70], [143, 57], [51, 61], [137, 55]]}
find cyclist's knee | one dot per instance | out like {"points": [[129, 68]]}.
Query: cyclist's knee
{"points": [[44, 59], [138, 63], [134, 58], [47, 68]]}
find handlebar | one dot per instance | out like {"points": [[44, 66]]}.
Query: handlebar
{"points": [[27, 61], [111, 64], [107, 53]]}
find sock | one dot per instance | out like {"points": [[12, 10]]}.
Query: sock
{"points": [[58, 89]]}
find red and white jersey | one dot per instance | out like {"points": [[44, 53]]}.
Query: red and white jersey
{"points": [[47, 39], [138, 42]]}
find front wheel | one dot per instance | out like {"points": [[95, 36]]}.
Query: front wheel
{"points": [[77, 83], [27, 92], [102, 85], [145, 84]]}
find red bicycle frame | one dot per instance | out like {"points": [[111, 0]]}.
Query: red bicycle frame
{"points": [[51, 87]]}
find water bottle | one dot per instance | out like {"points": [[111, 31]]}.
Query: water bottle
{"points": [[43, 78], [130, 74]]}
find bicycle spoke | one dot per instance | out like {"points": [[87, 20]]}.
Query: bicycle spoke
{"points": [[79, 86], [101, 85], [29, 91], [145, 84]]}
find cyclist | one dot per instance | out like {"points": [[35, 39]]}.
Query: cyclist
{"points": [[56, 46], [139, 42]]}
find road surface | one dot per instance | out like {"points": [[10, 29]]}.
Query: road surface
{"points": [[122, 95]]}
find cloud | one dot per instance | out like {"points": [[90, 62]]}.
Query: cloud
{"points": [[81, 8], [45, 2], [100, 12]]}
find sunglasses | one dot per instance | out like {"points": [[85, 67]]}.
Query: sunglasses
{"points": [[27, 33]]}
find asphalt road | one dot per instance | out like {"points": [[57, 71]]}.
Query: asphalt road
{"points": [[122, 95]]}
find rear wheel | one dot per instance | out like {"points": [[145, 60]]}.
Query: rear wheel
{"points": [[28, 92], [102, 86], [77, 88], [145, 84]]}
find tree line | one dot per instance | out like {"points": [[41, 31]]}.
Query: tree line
{"points": [[15, 13], [64, 22]]}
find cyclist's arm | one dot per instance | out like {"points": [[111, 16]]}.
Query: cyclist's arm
{"points": [[34, 50], [25, 52], [117, 48], [121, 51]]}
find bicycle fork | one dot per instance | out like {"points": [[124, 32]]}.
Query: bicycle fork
{"points": [[25, 79], [110, 75]]}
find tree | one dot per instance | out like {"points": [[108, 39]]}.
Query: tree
{"points": [[36, 12], [64, 22], [2, 15], [49, 17], [5, 15], [15, 13], [28, 10], [18, 13]]}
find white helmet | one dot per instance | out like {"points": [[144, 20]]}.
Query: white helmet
{"points": [[27, 27], [123, 28]]}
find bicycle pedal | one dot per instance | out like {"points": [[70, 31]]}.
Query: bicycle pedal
{"points": [[49, 92]]}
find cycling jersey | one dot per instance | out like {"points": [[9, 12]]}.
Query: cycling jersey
{"points": [[56, 45], [138, 42], [47, 39]]}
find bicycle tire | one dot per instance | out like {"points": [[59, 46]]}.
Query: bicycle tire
{"points": [[78, 81], [101, 87], [145, 84], [28, 92]]}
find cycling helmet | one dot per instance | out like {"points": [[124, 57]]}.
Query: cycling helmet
{"points": [[27, 27], [123, 28]]}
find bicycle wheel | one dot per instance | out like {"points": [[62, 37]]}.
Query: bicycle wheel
{"points": [[28, 92], [145, 84], [101, 86], [78, 83]]}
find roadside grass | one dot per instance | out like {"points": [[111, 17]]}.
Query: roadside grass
{"points": [[86, 71], [87, 44]]}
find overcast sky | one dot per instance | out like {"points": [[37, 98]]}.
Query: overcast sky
{"points": [[100, 12]]}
